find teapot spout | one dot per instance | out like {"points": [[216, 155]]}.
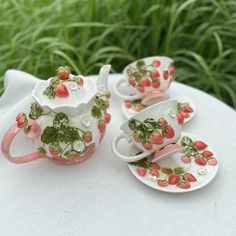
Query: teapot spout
{"points": [[102, 78]]}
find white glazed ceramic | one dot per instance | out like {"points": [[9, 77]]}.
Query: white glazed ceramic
{"points": [[67, 121], [179, 173], [162, 111], [159, 76], [130, 108]]}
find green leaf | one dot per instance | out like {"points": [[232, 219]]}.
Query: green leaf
{"points": [[186, 141], [35, 111], [49, 92], [129, 72], [96, 112], [147, 127], [69, 135], [101, 103], [140, 133], [50, 135], [179, 170], [132, 124], [142, 163], [61, 120], [140, 64], [167, 171]]}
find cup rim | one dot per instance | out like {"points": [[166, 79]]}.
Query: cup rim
{"points": [[145, 58], [146, 110]]}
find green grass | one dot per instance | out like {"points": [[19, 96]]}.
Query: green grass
{"points": [[37, 36]]}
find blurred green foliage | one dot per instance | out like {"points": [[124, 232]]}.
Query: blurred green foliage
{"points": [[38, 35]]}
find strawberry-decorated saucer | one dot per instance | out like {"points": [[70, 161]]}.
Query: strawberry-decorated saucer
{"points": [[186, 107], [189, 170]]}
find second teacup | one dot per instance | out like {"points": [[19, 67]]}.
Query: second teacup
{"points": [[145, 76], [150, 130]]}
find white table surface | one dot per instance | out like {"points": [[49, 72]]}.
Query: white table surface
{"points": [[102, 197]]}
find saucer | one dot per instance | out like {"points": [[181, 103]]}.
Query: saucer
{"points": [[130, 108], [189, 170]]}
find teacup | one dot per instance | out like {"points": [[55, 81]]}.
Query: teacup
{"points": [[149, 79], [154, 129]]}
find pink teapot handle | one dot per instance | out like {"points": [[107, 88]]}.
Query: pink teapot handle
{"points": [[7, 141]]}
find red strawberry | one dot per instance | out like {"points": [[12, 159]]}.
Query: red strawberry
{"points": [[165, 75], [156, 63], [155, 166], [162, 183], [200, 161], [21, 120], [172, 70], [199, 145], [61, 90], [145, 82], [155, 74], [87, 137], [173, 179], [185, 114], [141, 171], [55, 151], [63, 72], [80, 81], [180, 118], [188, 109], [169, 132], [207, 153], [136, 138], [189, 177], [132, 82], [212, 162], [184, 185], [155, 172], [163, 122], [156, 84], [157, 138], [101, 125], [107, 118], [128, 104], [139, 108], [185, 159], [141, 89], [147, 146]]}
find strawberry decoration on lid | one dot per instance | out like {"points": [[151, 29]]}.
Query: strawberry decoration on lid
{"points": [[57, 87]]}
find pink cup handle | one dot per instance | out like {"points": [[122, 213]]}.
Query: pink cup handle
{"points": [[154, 96], [6, 145], [166, 151]]}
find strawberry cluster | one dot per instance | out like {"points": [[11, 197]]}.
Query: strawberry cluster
{"points": [[143, 76], [99, 111], [165, 176], [57, 88], [151, 132], [198, 151], [183, 112]]}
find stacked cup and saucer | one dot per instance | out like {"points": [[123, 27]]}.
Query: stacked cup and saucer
{"points": [[157, 151]]}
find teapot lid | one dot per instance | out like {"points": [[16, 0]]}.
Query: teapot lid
{"points": [[65, 92]]}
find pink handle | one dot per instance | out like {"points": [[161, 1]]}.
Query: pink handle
{"points": [[6, 145], [166, 151], [154, 96]]}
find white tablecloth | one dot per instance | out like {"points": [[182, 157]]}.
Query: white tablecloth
{"points": [[101, 196]]}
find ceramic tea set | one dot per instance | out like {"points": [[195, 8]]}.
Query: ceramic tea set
{"points": [[68, 119]]}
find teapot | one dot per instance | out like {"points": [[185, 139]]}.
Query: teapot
{"points": [[67, 120]]}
